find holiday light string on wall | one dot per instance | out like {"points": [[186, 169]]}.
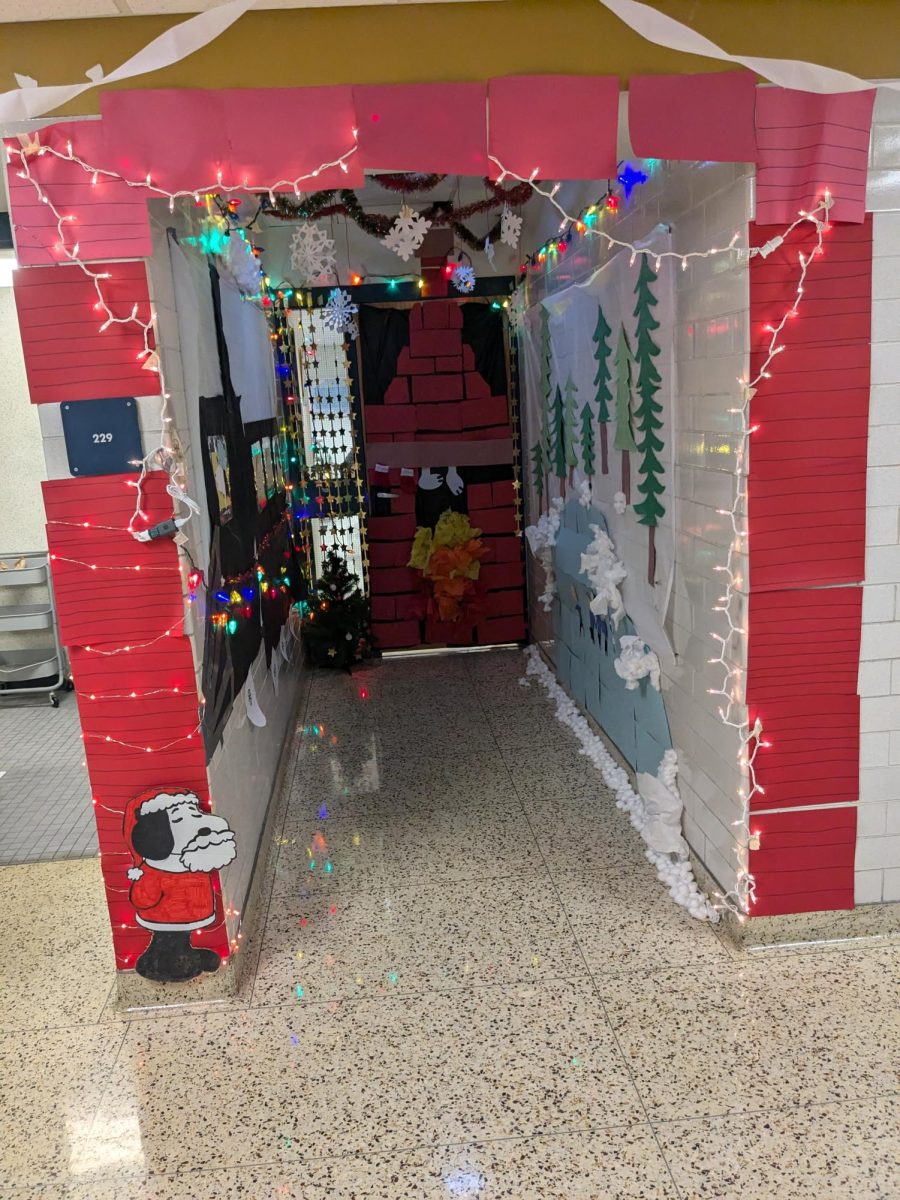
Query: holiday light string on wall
{"points": [[740, 898], [167, 455], [569, 221]]}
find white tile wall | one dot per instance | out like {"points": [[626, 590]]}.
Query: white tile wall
{"points": [[877, 875]]}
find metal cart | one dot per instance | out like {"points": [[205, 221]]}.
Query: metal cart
{"points": [[34, 669]]}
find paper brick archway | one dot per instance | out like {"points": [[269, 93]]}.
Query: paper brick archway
{"points": [[556, 127]]}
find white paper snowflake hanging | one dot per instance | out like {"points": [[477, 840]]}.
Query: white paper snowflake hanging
{"points": [[340, 312], [489, 250], [312, 254], [239, 261], [516, 310], [407, 233], [510, 227], [463, 278]]}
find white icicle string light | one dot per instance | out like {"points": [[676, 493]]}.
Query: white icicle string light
{"points": [[739, 899], [675, 873], [590, 231], [167, 455]]}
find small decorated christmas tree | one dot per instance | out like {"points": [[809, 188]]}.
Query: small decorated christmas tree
{"points": [[336, 629]]}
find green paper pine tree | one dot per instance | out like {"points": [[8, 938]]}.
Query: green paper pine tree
{"points": [[546, 386], [570, 426], [537, 469], [558, 437], [601, 382], [587, 441], [648, 413], [624, 439], [336, 629]]}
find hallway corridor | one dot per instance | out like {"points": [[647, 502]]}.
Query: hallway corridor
{"points": [[468, 982]]}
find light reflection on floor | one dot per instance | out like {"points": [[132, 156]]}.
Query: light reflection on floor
{"points": [[469, 984]]}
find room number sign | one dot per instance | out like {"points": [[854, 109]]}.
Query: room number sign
{"points": [[103, 437]]}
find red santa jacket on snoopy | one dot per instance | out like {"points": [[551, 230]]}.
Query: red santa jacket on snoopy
{"points": [[175, 899], [164, 900]]}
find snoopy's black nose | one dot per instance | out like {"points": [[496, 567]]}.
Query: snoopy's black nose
{"points": [[204, 832]]}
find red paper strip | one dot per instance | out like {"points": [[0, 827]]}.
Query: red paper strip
{"points": [[119, 607], [805, 860], [321, 120], [423, 127], [809, 454], [111, 219], [809, 142], [86, 364], [537, 125], [698, 118], [802, 662], [238, 132]]}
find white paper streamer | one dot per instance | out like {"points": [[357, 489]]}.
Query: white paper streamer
{"points": [[31, 100], [786, 72], [254, 712]]}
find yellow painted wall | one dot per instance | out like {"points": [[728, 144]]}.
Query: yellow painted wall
{"points": [[402, 43]]}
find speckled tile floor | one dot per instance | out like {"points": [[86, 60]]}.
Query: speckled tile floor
{"points": [[498, 999]]}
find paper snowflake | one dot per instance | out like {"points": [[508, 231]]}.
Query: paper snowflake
{"points": [[407, 233], [340, 312], [510, 227], [489, 250], [463, 278], [312, 254], [516, 310]]}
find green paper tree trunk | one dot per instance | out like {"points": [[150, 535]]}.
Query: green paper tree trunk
{"points": [[624, 439], [601, 382], [648, 414]]}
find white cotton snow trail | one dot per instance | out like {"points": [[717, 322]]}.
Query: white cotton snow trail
{"points": [[676, 874]]}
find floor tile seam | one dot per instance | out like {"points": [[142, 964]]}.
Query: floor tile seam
{"points": [[424, 993], [109, 1073], [282, 1164], [278, 829], [409, 885], [612, 1032], [811, 1106]]}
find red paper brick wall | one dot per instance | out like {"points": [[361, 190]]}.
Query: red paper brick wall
{"points": [[437, 395], [806, 495], [101, 612]]}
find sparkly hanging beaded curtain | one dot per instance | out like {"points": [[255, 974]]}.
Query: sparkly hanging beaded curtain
{"points": [[327, 418]]}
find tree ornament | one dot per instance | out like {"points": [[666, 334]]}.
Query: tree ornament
{"points": [[407, 233], [339, 633], [340, 312], [463, 278], [510, 227], [312, 254]]}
